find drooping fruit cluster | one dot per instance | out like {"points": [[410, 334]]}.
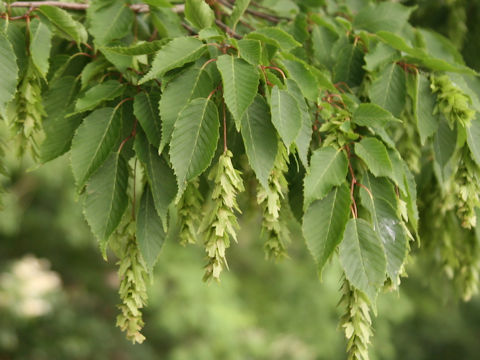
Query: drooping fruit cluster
{"points": [[220, 227]]}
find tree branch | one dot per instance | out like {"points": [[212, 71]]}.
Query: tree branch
{"points": [[139, 8]]}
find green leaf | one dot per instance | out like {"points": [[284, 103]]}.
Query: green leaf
{"points": [[109, 20], [349, 65], [423, 106], [159, 174], [411, 198], [389, 89], [8, 73], [380, 55], [363, 258], [298, 71], [92, 70], [93, 142], [386, 16], [106, 198], [323, 40], [199, 13], [387, 225], [194, 141], [149, 230], [240, 84], [444, 143], [65, 24], [142, 48], [250, 50], [276, 37], [372, 115], [238, 10], [59, 129], [176, 53], [260, 139], [473, 138], [324, 223], [145, 109], [328, 168], [399, 43], [304, 136], [99, 93], [40, 45], [191, 84], [375, 156], [286, 115]]}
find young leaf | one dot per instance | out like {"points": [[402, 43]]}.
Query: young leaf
{"points": [[349, 65], [93, 141], [389, 89], [109, 20], [145, 108], [40, 45], [99, 93], [65, 24], [328, 168], [375, 155], [240, 84], [324, 223], [372, 115], [191, 84], [106, 198], [159, 174], [260, 140], [150, 233], [8, 73], [286, 115], [199, 13], [176, 53], [194, 141], [363, 258], [59, 129]]}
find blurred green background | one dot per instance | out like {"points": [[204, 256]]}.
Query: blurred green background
{"points": [[58, 297]]}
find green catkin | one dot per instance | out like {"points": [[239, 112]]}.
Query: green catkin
{"points": [[222, 223], [452, 102], [25, 113], [133, 291], [190, 209], [271, 198], [356, 322]]}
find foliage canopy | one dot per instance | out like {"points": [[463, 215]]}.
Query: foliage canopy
{"points": [[339, 115]]}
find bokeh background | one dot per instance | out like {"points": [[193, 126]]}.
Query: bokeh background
{"points": [[58, 296]]}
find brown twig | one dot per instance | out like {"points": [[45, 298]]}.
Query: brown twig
{"points": [[139, 8], [229, 31]]}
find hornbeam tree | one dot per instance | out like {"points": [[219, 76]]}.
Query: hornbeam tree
{"points": [[342, 115]]}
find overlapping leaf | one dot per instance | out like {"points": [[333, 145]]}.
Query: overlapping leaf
{"points": [[240, 84], [106, 198], [191, 84], [389, 89], [8, 72], [65, 24], [286, 115], [150, 233], [324, 223], [145, 108], [93, 142], [260, 140], [375, 155], [194, 140], [328, 168], [176, 53], [363, 258]]}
